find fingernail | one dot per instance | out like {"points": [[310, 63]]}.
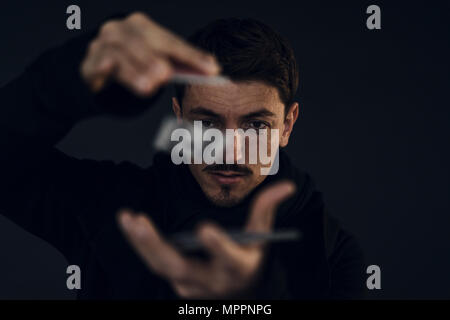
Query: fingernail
{"points": [[126, 220], [142, 83], [290, 188], [140, 231], [209, 234], [211, 64]]}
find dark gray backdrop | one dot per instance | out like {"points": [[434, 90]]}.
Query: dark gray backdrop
{"points": [[373, 131]]}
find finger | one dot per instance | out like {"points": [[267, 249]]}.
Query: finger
{"points": [[142, 81], [156, 253], [130, 61], [124, 37], [227, 251], [206, 280], [96, 67], [211, 281], [190, 291], [163, 258], [211, 289], [265, 204], [219, 244], [109, 61], [142, 54], [187, 57], [131, 41], [177, 49]]}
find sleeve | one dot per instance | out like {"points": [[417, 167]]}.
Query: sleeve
{"points": [[40, 187], [347, 268]]}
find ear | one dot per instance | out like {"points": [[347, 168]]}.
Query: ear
{"points": [[289, 122], [176, 108]]}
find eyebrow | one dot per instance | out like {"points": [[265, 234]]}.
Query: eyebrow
{"points": [[259, 113], [206, 112]]}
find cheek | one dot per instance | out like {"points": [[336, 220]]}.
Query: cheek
{"points": [[196, 171], [275, 138]]}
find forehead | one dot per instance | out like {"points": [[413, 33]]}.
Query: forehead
{"points": [[234, 98]]}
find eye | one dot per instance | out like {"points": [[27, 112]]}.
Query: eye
{"points": [[207, 124], [258, 125]]}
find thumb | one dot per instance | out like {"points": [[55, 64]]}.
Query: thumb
{"points": [[265, 204]]}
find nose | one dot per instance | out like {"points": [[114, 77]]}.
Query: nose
{"points": [[235, 151]]}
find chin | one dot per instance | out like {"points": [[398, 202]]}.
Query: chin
{"points": [[225, 202], [224, 196]]}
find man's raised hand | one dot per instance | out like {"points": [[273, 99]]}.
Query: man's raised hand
{"points": [[232, 267], [141, 55]]}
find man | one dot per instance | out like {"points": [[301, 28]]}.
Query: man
{"points": [[78, 205]]}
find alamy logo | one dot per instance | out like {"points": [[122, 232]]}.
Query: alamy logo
{"points": [[213, 146], [74, 279], [374, 20], [374, 280], [74, 20]]}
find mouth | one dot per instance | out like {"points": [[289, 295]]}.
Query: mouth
{"points": [[227, 177]]}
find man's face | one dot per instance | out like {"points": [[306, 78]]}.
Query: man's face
{"points": [[235, 105]]}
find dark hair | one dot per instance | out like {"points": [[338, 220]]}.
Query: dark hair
{"points": [[248, 49]]}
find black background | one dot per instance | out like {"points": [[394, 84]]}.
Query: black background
{"points": [[373, 132]]}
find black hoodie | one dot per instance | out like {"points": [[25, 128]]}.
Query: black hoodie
{"points": [[72, 203]]}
